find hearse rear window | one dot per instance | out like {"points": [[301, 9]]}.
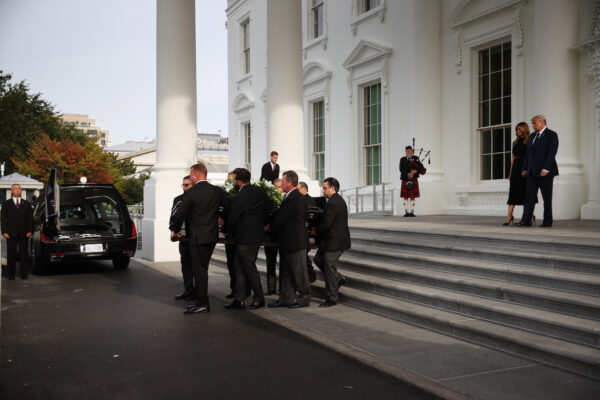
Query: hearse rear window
{"points": [[91, 210]]}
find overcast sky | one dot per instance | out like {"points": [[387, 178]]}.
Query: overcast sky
{"points": [[98, 57]]}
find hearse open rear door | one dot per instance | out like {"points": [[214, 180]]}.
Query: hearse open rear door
{"points": [[52, 204]]}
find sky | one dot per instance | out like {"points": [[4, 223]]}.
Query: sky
{"points": [[98, 57]]}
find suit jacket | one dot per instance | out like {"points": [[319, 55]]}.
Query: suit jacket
{"points": [[201, 208], [333, 231], [248, 215], [405, 168], [541, 154], [267, 172], [16, 222], [177, 203], [289, 225]]}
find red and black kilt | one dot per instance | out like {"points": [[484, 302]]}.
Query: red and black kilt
{"points": [[413, 193]]}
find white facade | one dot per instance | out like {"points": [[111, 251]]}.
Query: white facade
{"points": [[421, 60]]}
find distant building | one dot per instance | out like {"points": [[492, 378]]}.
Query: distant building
{"points": [[212, 149], [31, 187], [87, 125]]}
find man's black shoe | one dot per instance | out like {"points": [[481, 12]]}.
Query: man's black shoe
{"points": [[236, 304], [343, 280], [522, 223], [229, 296], [11, 278], [183, 296], [412, 214], [24, 276], [328, 303], [546, 226], [407, 214], [197, 310], [270, 293], [312, 277], [298, 305], [277, 304], [256, 304]]}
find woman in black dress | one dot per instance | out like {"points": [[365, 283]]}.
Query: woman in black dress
{"points": [[516, 192]]}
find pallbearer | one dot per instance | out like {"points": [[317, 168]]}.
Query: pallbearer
{"points": [[334, 238]]}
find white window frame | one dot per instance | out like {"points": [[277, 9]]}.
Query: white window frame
{"points": [[246, 53]]}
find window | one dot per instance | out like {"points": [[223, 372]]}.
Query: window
{"points": [[248, 145], [368, 5], [317, 17], [318, 141], [372, 132], [246, 47], [494, 101]]}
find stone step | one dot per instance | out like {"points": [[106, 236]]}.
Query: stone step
{"points": [[572, 356], [535, 258], [540, 277], [516, 240], [580, 305]]}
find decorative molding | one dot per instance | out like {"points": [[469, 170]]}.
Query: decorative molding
{"points": [[518, 30], [458, 56], [314, 72], [242, 102], [326, 93], [591, 44], [364, 52], [357, 17], [459, 19], [384, 74], [321, 40], [350, 83]]}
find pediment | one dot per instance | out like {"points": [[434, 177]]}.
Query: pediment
{"points": [[314, 72], [364, 52], [241, 102], [466, 11]]}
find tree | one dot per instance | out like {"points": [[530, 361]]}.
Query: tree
{"points": [[132, 189], [71, 159], [23, 116]]}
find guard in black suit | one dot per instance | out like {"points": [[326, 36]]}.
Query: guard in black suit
{"points": [[17, 226], [334, 239], [184, 248], [270, 170], [248, 214], [540, 168], [310, 202], [289, 227], [201, 208]]}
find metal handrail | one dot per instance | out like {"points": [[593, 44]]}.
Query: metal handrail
{"points": [[359, 205]]}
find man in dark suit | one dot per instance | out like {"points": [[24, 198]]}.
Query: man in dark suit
{"points": [[270, 170], [201, 208], [310, 202], [540, 168], [289, 227], [334, 239], [184, 248], [248, 214], [17, 226], [271, 256]]}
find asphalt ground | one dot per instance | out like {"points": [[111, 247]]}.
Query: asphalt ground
{"points": [[91, 332]]}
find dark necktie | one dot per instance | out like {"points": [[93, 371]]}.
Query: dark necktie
{"points": [[18, 204]]}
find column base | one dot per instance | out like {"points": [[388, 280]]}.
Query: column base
{"points": [[159, 192], [590, 211]]}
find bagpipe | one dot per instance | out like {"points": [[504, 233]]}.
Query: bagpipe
{"points": [[416, 162]]}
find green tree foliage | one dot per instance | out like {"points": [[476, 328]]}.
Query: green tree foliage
{"points": [[23, 116], [132, 189]]}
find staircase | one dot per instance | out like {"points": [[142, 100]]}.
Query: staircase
{"points": [[537, 297]]}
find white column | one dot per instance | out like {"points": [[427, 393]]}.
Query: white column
{"points": [[555, 95], [284, 84], [175, 123]]}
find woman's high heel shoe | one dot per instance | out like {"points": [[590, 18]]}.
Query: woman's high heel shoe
{"points": [[510, 221]]}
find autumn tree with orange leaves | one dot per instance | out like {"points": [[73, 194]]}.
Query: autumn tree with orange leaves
{"points": [[71, 159]]}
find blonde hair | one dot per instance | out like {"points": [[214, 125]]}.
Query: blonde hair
{"points": [[523, 127], [539, 117]]}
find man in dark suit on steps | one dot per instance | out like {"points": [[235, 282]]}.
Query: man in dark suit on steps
{"points": [[201, 208], [248, 214], [540, 168], [270, 170], [289, 227], [17, 226], [334, 239]]}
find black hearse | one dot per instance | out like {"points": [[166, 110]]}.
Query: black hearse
{"points": [[81, 221]]}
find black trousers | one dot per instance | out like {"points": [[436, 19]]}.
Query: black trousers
{"points": [[271, 255], [230, 254], [294, 277], [544, 184], [11, 256], [201, 254], [186, 268], [246, 274], [327, 261]]}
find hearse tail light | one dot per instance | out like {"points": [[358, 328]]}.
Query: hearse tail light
{"points": [[45, 239], [133, 231]]}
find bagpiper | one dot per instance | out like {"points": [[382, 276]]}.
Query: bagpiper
{"points": [[410, 170]]}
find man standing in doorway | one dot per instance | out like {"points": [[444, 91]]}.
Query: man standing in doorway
{"points": [[270, 170], [17, 226], [540, 168], [201, 208], [184, 247]]}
